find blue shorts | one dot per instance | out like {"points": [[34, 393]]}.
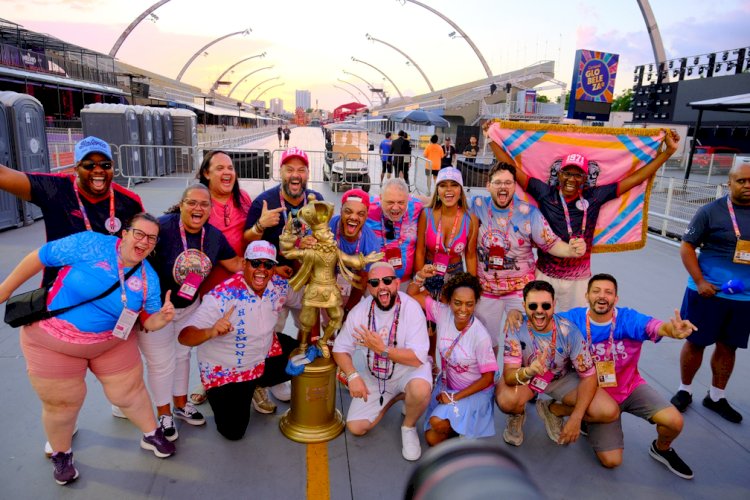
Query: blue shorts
{"points": [[718, 320]]}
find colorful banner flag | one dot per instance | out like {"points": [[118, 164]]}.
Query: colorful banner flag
{"points": [[612, 153]]}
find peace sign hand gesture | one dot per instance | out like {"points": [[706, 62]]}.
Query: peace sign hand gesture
{"points": [[681, 328]]}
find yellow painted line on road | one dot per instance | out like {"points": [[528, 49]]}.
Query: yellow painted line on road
{"points": [[318, 482]]}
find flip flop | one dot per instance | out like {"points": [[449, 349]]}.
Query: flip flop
{"points": [[198, 396]]}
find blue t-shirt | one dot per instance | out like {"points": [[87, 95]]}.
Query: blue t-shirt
{"points": [[385, 149], [711, 229], [367, 241], [173, 264], [272, 197], [90, 267]]}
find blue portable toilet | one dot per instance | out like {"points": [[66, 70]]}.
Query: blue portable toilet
{"points": [[146, 127], [118, 125], [158, 141], [10, 213], [168, 133]]}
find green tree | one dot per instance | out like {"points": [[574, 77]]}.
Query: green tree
{"points": [[623, 101], [542, 98], [567, 99]]}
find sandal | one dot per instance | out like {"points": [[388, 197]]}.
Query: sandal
{"points": [[198, 396]]}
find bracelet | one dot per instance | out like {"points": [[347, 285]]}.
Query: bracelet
{"points": [[520, 382], [418, 279], [351, 376], [258, 228]]}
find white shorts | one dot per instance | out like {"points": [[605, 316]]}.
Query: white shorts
{"points": [[568, 293], [491, 312], [284, 314], [359, 409]]}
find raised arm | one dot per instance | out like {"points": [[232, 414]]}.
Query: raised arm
{"points": [[15, 182], [670, 141]]}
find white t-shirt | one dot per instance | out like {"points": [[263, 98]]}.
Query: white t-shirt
{"points": [[240, 355], [410, 334]]}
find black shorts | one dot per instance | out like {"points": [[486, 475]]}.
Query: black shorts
{"points": [[429, 171], [387, 167], [718, 320]]}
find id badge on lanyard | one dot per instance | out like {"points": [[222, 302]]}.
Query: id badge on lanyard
{"points": [[496, 257], [125, 323], [441, 263], [393, 257], [742, 252], [190, 286], [539, 383], [605, 374]]}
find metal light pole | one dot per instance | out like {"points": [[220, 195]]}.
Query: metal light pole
{"points": [[216, 83], [202, 49], [379, 71], [244, 78], [348, 92], [132, 26], [358, 90], [269, 88], [459, 30], [369, 85], [373, 39], [261, 83]]}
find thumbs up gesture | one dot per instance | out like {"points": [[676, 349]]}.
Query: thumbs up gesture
{"points": [[223, 325]]}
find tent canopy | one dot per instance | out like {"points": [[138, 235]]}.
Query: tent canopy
{"points": [[734, 103]]}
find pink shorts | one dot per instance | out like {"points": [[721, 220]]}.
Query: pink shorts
{"points": [[49, 357]]}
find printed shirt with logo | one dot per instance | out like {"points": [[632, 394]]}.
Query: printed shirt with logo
{"points": [[529, 229], [368, 243], [90, 268], [471, 357], [405, 231], [173, 264], [571, 350], [631, 330], [711, 229], [548, 199], [241, 354]]}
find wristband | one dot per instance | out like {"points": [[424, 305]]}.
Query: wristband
{"points": [[258, 228], [520, 382], [351, 376], [418, 279]]}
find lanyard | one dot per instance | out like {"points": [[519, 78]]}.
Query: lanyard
{"points": [[83, 210], [283, 205], [550, 347], [451, 237], [584, 204], [444, 358], [734, 218], [184, 238], [507, 221], [380, 366], [338, 236], [400, 239], [121, 276], [611, 333]]}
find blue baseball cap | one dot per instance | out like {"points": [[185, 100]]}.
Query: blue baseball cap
{"points": [[90, 145]]}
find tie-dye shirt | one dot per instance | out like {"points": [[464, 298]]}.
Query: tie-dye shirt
{"points": [[529, 228], [405, 231], [240, 355]]}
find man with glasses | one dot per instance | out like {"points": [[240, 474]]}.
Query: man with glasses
{"points": [[571, 206], [382, 351], [237, 347], [393, 217], [509, 229], [86, 201], [548, 355]]}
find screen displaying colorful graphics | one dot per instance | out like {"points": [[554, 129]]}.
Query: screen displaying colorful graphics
{"points": [[593, 85]]}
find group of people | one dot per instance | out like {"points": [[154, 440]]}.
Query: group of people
{"points": [[427, 328]]}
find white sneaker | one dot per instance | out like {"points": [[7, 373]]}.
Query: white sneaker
{"points": [[410, 447], [282, 391], [117, 412], [48, 447]]}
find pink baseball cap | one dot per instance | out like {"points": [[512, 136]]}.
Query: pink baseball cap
{"points": [[576, 160], [357, 195], [450, 174], [261, 249], [295, 153]]}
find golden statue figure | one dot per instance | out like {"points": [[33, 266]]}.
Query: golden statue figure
{"points": [[318, 271]]}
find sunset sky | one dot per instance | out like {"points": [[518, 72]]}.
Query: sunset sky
{"points": [[310, 43]]}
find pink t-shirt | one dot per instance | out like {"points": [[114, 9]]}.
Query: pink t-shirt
{"points": [[472, 355]]}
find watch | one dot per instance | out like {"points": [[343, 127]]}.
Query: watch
{"points": [[384, 354]]}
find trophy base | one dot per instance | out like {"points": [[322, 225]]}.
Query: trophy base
{"points": [[313, 416]]}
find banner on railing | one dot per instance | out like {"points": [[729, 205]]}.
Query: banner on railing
{"points": [[612, 154]]}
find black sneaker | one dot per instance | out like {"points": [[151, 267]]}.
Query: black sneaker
{"points": [[722, 408], [681, 400], [65, 471], [671, 460], [166, 422], [189, 414], [158, 444]]}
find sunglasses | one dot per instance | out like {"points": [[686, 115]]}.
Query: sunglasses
{"points": [[533, 306], [373, 282], [138, 235], [91, 165], [258, 263], [390, 231], [227, 215]]}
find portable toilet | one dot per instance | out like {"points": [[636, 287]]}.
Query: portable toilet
{"points": [[146, 126], [185, 127], [168, 132], [158, 141], [10, 214], [25, 118], [118, 125]]}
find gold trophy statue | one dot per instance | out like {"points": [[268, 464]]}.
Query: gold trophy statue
{"points": [[313, 416]]}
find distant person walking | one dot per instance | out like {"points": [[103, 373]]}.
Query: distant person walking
{"points": [[434, 153], [449, 153], [279, 132], [385, 157], [287, 133]]}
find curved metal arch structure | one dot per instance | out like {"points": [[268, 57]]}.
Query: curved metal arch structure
{"points": [[216, 83], [357, 88], [653, 31], [384, 75], [348, 92], [242, 80], [459, 30], [261, 83], [412, 61], [269, 88], [202, 49], [132, 26]]}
